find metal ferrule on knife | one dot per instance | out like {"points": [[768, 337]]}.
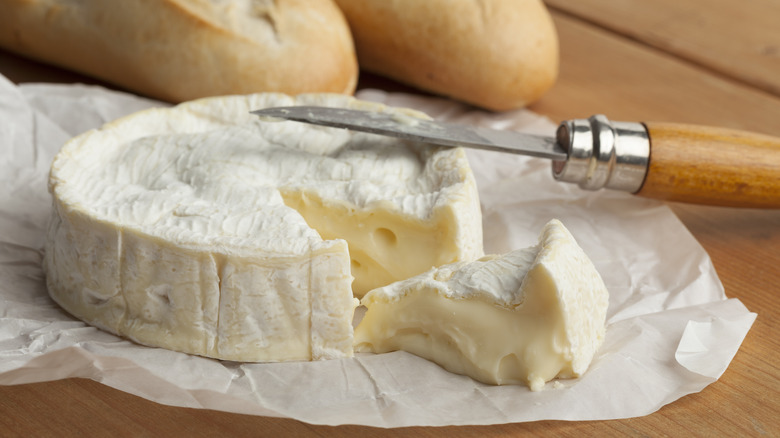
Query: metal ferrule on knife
{"points": [[603, 154]]}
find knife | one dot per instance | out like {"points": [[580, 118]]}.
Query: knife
{"points": [[667, 161]]}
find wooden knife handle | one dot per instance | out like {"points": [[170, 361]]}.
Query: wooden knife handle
{"points": [[715, 166]]}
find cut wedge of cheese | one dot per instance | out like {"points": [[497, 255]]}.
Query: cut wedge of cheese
{"points": [[203, 229], [525, 317]]}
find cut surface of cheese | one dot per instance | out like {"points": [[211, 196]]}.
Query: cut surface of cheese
{"points": [[525, 317], [203, 229]]}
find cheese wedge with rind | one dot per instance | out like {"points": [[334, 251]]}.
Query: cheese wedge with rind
{"points": [[526, 317]]}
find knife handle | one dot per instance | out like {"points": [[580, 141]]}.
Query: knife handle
{"points": [[715, 166], [673, 162]]}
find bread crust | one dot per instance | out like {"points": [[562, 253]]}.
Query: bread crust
{"points": [[496, 54], [178, 50]]}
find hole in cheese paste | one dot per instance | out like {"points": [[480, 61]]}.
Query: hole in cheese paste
{"points": [[385, 237]]}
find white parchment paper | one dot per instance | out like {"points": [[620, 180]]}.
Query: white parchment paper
{"points": [[671, 330]]}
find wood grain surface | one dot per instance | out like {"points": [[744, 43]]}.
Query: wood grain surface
{"points": [[712, 166], [706, 62], [736, 39]]}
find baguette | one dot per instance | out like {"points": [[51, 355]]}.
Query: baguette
{"points": [[178, 50], [496, 54]]}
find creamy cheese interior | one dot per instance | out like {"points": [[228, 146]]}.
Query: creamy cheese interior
{"points": [[204, 229], [383, 245], [474, 338], [525, 317]]}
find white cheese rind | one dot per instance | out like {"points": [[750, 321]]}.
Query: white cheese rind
{"points": [[525, 317], [171, 226]]}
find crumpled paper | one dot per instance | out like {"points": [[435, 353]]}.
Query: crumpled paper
{"points": [[671, 330]]}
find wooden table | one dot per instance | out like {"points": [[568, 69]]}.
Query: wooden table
{"points": [[713, 62]]}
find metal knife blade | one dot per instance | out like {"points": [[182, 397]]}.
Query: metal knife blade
{"points": [[411, 128]]}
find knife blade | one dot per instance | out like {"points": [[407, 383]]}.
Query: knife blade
{"points": [[687, 163], [407, 127]]}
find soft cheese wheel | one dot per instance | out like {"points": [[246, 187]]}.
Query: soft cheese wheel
{"points": [[179, 50], [525, 317], [496, 54], [204, 229]]}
